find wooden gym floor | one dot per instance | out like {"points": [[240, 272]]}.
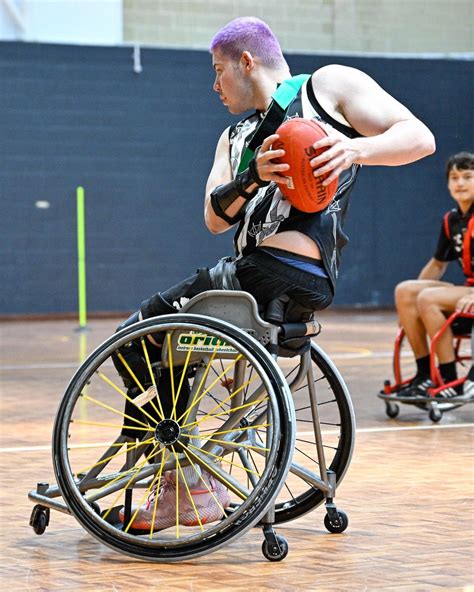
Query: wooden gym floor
{"points": [[408, 492]]}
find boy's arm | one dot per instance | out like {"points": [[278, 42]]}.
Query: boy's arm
{"points": [[433, 270]]}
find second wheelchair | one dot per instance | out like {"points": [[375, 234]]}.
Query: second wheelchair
{"points": [[461, 325]]}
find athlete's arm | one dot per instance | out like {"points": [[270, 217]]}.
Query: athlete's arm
{"points": [[220, 174], [433, 270], [392, 134]]}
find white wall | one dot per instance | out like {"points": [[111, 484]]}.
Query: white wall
{"points": [[92, 22], [374, 26]]}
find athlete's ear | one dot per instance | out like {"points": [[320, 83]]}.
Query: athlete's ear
{"points": [[247, 61]]}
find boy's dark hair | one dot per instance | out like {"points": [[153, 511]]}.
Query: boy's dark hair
{"points": [[462, 161]]}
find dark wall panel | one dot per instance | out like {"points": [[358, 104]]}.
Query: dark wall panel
{"points": [[142, 146]]}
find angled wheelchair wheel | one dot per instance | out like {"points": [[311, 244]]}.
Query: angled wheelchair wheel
{"points": [[299, 496], [187, 458]]}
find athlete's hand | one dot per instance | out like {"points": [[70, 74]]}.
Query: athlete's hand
{"points": [[340, 155], [266, 168]]}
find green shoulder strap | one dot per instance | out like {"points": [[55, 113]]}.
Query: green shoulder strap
{"points": [[282, 99]]}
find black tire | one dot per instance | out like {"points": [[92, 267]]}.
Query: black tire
{"points": [[336, 415], [72, 462], [275, 555], [39, 519], [337, 527], [435, 415], [392, 410]]}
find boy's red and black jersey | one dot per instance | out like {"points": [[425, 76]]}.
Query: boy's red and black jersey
{"points": [[456, 240]]}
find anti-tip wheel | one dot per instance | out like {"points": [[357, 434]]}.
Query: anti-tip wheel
{"points": [[339, 526], [274, 552]]}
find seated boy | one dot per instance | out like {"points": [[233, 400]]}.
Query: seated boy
{"points": [[423, 304]]}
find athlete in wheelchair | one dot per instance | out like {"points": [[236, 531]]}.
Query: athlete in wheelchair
{"points": [[204, 434], [435, 316]]}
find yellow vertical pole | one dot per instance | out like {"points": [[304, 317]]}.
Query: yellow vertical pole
{"points": [[81, 258]]}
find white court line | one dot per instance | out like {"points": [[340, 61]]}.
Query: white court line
{"points": [[398, 429], [55, 366], [300, 434]]}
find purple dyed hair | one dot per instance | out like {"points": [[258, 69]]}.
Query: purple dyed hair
{"points": [[249, 34]]}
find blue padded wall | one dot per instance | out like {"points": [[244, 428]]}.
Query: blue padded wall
{"points": [[142, 146]]}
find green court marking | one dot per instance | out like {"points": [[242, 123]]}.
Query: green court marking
{"points": [[81, 258]]}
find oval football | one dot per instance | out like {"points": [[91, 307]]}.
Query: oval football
{"points": [[304, 191]]}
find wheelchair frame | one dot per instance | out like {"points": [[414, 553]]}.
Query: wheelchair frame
{"points": [[435, 407], [242, 341]]}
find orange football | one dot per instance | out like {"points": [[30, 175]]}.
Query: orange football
{"points": [[304, 191]]}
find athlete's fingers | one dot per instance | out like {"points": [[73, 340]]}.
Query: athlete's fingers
{"points": [[271, 154], [278, 178], [268, 142]]}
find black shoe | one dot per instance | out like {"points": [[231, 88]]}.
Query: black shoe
{"points": [[450, 393], [416, 389]]}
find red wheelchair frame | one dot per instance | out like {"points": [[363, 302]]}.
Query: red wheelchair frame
{"points": [[435, 407]]}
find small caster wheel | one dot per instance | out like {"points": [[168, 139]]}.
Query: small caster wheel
{"points": [[435, 415], [274, 552], [392, 410], [39, 519], [339, 526]]}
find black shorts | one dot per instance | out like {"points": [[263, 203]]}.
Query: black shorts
{"points": [[267, 278], [263, 276]]}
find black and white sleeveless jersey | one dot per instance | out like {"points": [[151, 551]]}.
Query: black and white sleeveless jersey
{"points": [[269, 213]]}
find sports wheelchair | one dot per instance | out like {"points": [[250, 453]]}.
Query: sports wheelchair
{"points": [[461, 325], [279, 437]]}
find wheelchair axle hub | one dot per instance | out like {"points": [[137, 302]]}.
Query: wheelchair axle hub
{"points": [[167, 432]]}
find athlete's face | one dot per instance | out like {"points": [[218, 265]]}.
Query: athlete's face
{"points": [[461, 186], [232, 83]]}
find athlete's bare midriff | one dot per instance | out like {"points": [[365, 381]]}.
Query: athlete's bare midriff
{"points": [[294, 242]]}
